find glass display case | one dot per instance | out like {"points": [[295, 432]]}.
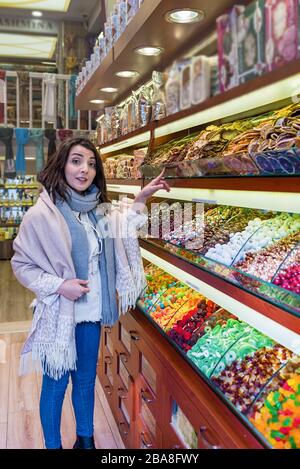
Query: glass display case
{"points": [[240, 363], [257, 250]]}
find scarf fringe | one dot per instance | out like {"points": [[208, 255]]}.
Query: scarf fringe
{"points": [[49, 359], [128, 299]]}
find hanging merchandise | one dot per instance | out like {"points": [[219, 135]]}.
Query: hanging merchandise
{"points": [[50, 134], [61, 104], [64, 134], [22, 137], [6, 135], [49, 109], [72, 93], [2, 94], [173, 90], [37, 137], [23, 78], [144, 106]]}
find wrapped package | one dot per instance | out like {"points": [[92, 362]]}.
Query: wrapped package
{"points": [[228, 48], [122, 12], [251, 41], [158, 100], [200, 88], [108, 35], [173, 91], [185, 86], [139, 156], [132, 110], [281, 31], [115, 27], [124, 118], [115, 122], [132, 8], [144, 106], [124, 166], [102, 48]]}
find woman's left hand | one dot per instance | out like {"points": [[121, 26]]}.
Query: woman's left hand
{"points": [[157, 184]]}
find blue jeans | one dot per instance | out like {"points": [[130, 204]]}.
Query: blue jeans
{"points": [[87, 336]]}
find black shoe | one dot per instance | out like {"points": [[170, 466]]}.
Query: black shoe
{"points": [[84, 442]]}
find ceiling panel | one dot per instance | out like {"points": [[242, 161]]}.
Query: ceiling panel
{"points": [[52, 5], [27, 46]]}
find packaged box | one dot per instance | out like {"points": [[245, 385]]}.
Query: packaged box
{"points": [[228, 48], [251, 41], [186, 87], [281, 31], [200, 67]]}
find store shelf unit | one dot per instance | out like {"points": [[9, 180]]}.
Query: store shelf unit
{"points": [[143, 383]]}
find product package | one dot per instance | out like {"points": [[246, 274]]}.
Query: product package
{"points": [[102, 48], [108, 35], [158, 100], [251, 41], [132, 8], [122, 12], [115, 28], [200, 89], [281, 31], [172, 90], [186, 86], [144, 106], [228, 48]]}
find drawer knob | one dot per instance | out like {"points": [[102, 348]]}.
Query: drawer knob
{"points": [[146, 396], [124, 357], [145, 443], [108, 390], [107, 360], [204, 439], [107, 330], [122, 393], [134, 335]]}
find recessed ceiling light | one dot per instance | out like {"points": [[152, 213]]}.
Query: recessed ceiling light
{"points": [[96, 101], [109, 90], [184, 15], [127, 74], [149, 50], [37, 14]]}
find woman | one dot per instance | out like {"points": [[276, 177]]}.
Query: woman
{"points": [[71, 251]]}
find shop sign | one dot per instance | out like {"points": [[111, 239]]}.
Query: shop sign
{"points": [[24, 25]]}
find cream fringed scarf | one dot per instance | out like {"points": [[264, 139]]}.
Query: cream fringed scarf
{"points": [[43, 255]]}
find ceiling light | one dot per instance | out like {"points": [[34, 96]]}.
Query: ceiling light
{"points": [[96, 101], [51, 5], [109, 90], [149, 50], [37, 14], [27, 46], [127, 74], [185, 15]]}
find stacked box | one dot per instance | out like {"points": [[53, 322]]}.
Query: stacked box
{"points": [[251, 41], [281, 31], [227, 48]]}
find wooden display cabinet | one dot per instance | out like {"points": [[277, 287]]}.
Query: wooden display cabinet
{"points": [[150, 379]]}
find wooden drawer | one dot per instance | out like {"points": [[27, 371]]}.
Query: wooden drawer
{"points": [[125, 389], [144, 439], [126, 429], [186, 422]]}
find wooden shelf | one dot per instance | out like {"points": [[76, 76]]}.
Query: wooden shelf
{"points": [[268, 79], [275, 313], [150, 26], [125, 182], [289, 184]]}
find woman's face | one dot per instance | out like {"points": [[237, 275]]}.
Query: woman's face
{"points": [[80, 169]]}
